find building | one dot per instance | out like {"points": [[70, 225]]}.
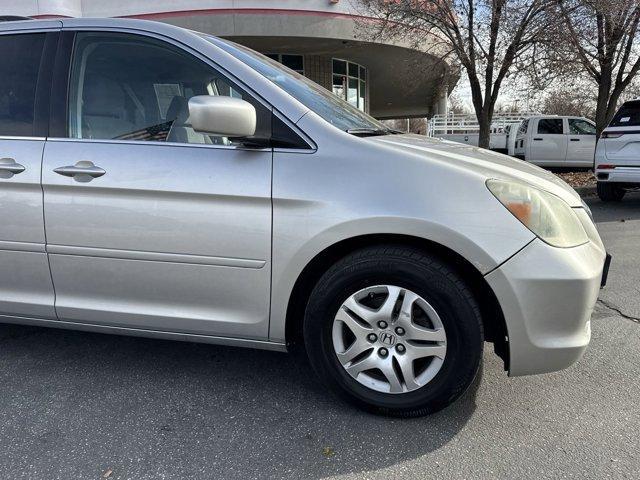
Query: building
{"points": [[329, 41]]}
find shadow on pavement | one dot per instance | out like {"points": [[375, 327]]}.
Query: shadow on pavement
{"points": [[627, 209], [77, 404]]}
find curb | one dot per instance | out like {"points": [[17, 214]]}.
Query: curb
{"points": [[585, 191]]}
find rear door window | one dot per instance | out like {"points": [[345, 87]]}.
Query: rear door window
{"points": [[20, 57], [627, 116], [550, 126]]}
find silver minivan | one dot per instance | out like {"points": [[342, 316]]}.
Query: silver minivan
{"points": [[160, 182]]}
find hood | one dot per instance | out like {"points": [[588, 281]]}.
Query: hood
{"points": [[483, 162]]}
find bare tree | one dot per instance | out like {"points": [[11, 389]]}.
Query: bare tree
{"points": [[602, 35], [489, 38], [456, 105], [568, 101]]}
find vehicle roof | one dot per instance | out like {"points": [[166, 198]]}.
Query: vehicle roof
{"points": [[128, 23], [556, 116]]}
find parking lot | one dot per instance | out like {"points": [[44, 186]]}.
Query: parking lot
{"points": [[83, 406]]}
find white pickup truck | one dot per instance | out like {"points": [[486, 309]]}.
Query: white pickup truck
{"points": [[556, 141], [464, 128]]}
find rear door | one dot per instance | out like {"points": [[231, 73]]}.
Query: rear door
{"points": [[149, 224], [25, 68], [549, 142], [622, 142], [582, 142]]}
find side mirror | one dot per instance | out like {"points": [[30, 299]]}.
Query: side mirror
{"points": [[222, 116]]}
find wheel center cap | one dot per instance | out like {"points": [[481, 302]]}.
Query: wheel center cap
{"points": [[388, 338]]}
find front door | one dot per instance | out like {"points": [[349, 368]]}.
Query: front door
{"points": [[149, 224], [25, 282], [582, 142], [548, 142]]}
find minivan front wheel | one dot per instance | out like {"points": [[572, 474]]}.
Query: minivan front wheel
{"points": [[610, 192], [394, 330]]}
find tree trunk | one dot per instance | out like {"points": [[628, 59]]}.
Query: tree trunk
{"points": [[484, 136], [602, 107], [602, 104]]}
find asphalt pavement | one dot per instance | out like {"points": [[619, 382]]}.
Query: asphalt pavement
{"points": [[87, 406]]}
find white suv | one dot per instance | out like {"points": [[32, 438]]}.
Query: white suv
{"points": [[618, 154]]}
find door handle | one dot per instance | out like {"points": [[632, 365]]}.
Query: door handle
{"points": [[83, 171], [575, 139], [9, 168], [537, 139]]}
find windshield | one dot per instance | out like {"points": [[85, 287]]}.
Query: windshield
{"points": [[333, 109], [627, 116]]}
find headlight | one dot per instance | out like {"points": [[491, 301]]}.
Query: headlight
{"points": [[547, 216]]}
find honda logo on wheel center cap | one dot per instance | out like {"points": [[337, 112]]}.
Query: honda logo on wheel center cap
{"points": [[388, 338]]}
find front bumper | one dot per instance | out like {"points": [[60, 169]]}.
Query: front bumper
{"points": [[547, 296]]}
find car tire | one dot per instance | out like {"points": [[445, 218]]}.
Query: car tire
{"points": [[439, 296], [610, 192]]}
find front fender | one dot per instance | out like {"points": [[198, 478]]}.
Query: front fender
{"points": [[288, 268]]}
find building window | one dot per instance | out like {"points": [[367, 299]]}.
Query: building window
{"points": [[294, 62], [350, 82]]}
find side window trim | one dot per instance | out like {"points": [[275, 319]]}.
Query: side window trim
{"points": [[59, 98], [60, 86], [43, 87], [58, 115], [62, 77]]}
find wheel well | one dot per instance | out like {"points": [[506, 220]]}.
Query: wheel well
{"points": [[495, 329]]}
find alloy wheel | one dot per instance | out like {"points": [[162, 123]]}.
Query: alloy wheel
{"points": [[389, 339]]}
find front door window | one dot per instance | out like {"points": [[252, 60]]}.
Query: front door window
{"points": [[126, 87], [578, 126]]}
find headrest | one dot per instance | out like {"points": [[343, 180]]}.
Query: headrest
{"points": [[103, 97]]}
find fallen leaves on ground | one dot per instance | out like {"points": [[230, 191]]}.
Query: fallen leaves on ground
{"points": [[328, 452], [578, 179]]}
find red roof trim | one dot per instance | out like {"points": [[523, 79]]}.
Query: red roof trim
{"points": [[227, 11], [46, 16], [243, 11]]}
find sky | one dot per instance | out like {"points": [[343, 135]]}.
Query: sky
{"points": [[517, 96]]}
